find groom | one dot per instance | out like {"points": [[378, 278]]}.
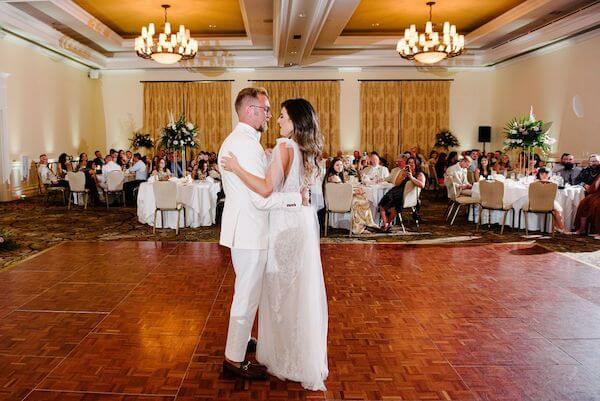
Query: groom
{"points": [[244, 228]]}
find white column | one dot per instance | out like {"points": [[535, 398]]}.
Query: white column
{"points": [[4, 141]]}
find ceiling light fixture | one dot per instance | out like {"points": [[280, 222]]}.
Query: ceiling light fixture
{"points": [[170, 47], [432, 46]]}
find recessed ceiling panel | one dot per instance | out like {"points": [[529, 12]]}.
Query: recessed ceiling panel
{"points": [[202, 17], [374, 17]]}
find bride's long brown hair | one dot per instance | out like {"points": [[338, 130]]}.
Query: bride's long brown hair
{"points": [[307, 134]]}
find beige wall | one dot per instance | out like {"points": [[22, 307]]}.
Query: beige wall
{"points": [[469, 103], [53, 106], [549, 82]]}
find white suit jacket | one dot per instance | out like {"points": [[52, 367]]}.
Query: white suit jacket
{"points": [[245, 222], [457, 174]]}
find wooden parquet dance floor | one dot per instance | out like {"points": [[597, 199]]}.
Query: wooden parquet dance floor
{"points": [[130, 321]]}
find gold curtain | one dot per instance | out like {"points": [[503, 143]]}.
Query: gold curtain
{"points": [[325, 98], [323, 95], [160, 98], [209, 107], [425, 110], [380, 116]]}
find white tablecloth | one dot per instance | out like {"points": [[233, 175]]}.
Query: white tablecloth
{"points": [[517, 193], [374, 193], [199, 199]]}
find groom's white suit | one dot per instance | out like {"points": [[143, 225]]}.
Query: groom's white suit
{"points": [[244, 229]]}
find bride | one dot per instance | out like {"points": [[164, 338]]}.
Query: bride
{"points": [[292, 324]]}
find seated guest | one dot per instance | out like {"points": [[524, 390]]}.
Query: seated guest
{"points": [[400, 166], [589, 174], [47, 176], [108, 166], [161, 171], [356, 160], [457, 174], [175, 165], [201, 170], [363, 163], [433, 156], [440, 168], [363, 217], [375, 172], [141, 175], [82, 165], [543, 175], [483, 170], [414, 152], [99, 161], [349, 170], [64, 166], [588, 211], [452, 159], [129, 156], [503, 165], [475, 160], [393, 201]]}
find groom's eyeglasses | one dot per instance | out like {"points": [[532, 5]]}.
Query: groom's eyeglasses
{"points": [[267, 110]]}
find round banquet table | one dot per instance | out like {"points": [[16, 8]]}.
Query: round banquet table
{"points": [[373, 193], [198, 197], [517, 193]]}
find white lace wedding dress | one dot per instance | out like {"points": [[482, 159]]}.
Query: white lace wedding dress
{"points": [[292, 325]]}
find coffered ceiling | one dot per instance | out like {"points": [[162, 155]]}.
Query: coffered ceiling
{"points": [[294, 33]]}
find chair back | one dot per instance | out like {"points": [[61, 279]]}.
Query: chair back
{"points": [[114, 180], [338, 197], [165, 194], [541, 196], [491, 194], [76, 181], [452, 188], [411, 194]]}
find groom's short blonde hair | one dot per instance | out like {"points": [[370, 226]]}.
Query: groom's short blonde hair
{"points": [[247, 94]]}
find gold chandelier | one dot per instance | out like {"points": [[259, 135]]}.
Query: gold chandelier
{"points": [[432, 46], [170, 47]]}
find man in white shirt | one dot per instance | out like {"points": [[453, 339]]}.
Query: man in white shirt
{"points": [[141, 174], [375, 172], [47, 176], [108, 166], [457, 174]]}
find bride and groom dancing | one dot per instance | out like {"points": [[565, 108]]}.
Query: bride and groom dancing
{"points": [[273, 234]]}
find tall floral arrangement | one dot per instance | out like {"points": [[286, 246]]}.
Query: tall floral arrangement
{"points": [[528, 134], [141, 140], [446, 139], [179, 134]]}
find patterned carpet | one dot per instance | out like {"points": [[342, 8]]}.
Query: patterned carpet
{"points": [[36, 227]]}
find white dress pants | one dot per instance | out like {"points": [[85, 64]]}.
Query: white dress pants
{"points": [[249, 266]]}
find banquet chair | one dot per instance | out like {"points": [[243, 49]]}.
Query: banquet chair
{"points": [[412, 194], [432, 178], [457, 201], [492, 198], [77, 186], [541, 200], [114, 185], [165, 198], [338, 199]]}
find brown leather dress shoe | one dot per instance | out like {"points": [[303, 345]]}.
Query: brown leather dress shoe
{"points": [[247, 370]]}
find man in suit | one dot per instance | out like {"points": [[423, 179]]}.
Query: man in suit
{"points": [[457, 174], [567, 169], [244, 228]]}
